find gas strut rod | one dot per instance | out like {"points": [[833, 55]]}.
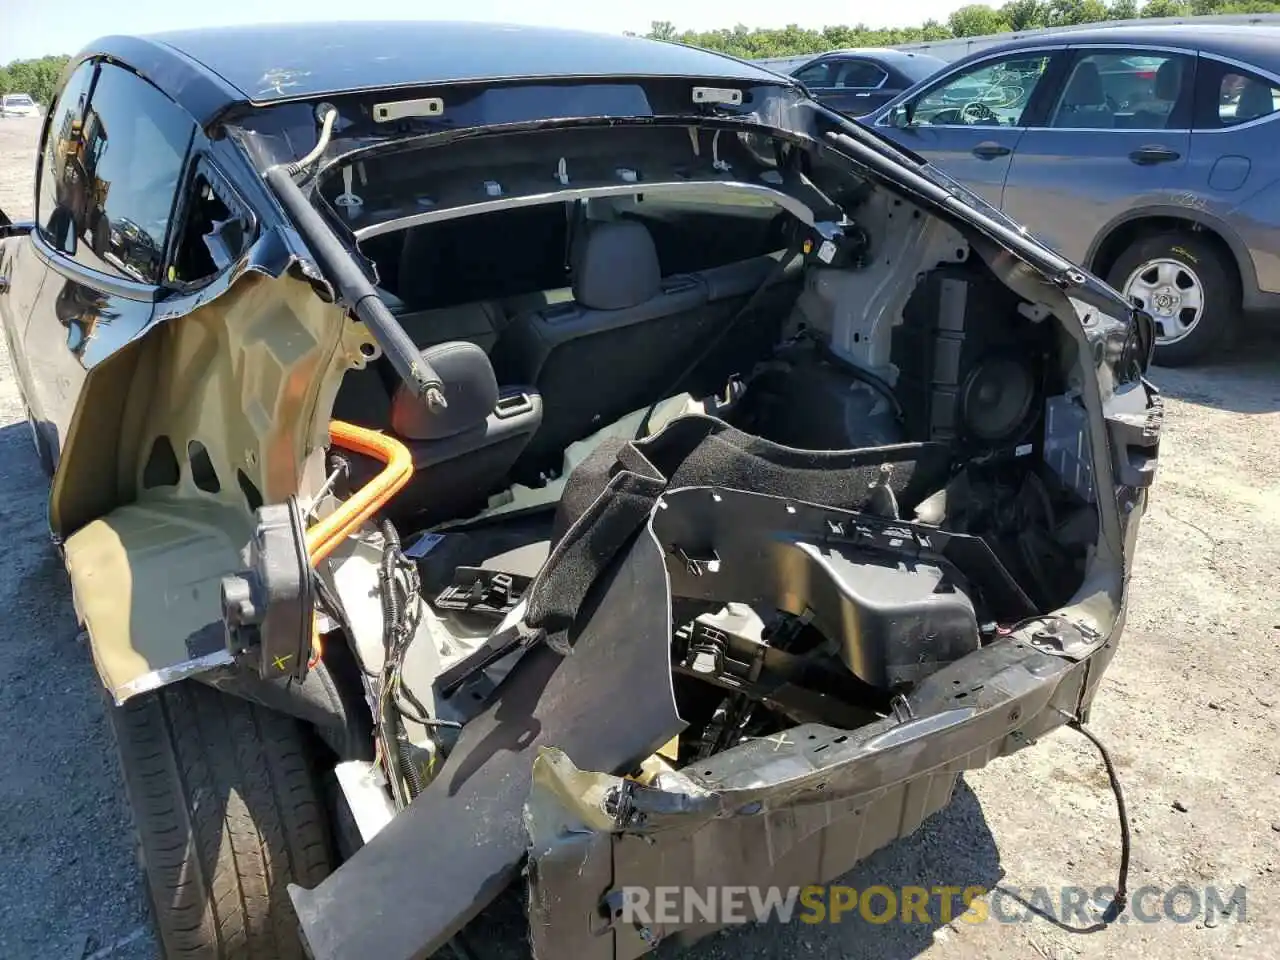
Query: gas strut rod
{"points": [[342, 270]]}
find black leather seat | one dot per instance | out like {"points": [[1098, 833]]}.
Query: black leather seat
{"points": [[626, 333], [463, 453], [1168, 86], [487, 256], [365, 395], [604, 353]]}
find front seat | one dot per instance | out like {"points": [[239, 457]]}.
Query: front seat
{"points": [[1168, 87], [1084, 102]]}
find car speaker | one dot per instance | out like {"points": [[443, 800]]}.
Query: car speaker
{"points": [[996, 399], [970, 366]]}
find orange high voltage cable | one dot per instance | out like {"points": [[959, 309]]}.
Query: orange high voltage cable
{"points": [[323, 538]]}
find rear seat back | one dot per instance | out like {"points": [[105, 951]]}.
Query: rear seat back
{"points": [[626, 333], [601, 354], [728, 289]]}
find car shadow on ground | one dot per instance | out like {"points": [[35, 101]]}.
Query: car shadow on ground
{"points": [[1244, 379]]}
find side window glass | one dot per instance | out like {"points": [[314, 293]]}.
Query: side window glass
{"points": [[860, 73], [1231, 95], [61, 170], [214, 232], [816, 74], [993, 94], [1123, 90], [132, 149]]}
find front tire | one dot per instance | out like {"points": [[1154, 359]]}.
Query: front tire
{"points": [[228, 813], [1188, 286]]}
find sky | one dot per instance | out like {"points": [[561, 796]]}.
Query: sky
{"points": [[33, 28]]}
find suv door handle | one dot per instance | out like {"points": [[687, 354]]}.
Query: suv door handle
{"points": [[1146, 156], [989, 150]]}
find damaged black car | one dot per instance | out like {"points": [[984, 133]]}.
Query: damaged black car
{"points": [[496, 460]]}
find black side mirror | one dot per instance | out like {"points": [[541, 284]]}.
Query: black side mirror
{"points": [[1140, 345]]}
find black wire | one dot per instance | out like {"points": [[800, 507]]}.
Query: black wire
{"points": [[332, 605], [866, 376], [1122, 884]]}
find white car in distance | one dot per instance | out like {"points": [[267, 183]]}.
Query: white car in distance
{"points": [[18, 105]]}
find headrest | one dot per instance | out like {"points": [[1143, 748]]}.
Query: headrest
{"points": [[1085, 88], [1169, 79], [615, 265], [1255, 101], [470, 389]]}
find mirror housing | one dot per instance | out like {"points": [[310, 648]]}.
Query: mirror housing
{"points": [[1142, 339]]}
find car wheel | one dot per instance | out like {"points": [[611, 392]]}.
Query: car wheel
{"points": [[1190, 289], [228, 812]]}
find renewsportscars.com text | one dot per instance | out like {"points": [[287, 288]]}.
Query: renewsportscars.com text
{"points": [[926, 905]]}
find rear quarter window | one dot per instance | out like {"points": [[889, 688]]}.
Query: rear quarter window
{"points": [[114, 167], [1227, 96]]}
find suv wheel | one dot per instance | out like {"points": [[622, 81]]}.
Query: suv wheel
{"points": [[1189, 288], [229, 813]]}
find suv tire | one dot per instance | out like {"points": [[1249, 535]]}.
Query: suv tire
{"points": [[228, 813], [1219, 288]]}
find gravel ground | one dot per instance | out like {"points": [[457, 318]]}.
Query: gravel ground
{"points": [[1188, 709]]}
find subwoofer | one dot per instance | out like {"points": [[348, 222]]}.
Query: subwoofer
{"points": [[997, 399], [970, 366]]}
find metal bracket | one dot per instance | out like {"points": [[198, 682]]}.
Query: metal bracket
{"points": [[717, 95], [401, 109], [697, 566]]}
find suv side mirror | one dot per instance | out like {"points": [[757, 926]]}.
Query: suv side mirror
{"points": [[900, 117]]}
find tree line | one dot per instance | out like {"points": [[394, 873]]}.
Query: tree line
{"points": [[36, 77], [972, 20]]}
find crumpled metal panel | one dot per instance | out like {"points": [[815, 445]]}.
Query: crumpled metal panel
{"points": [[460, 843]]}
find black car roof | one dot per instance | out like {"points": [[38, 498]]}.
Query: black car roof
{"points": [[1257, 44], [271, 63]]}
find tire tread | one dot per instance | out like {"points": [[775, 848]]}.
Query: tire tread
{"points": [[228, 813]]}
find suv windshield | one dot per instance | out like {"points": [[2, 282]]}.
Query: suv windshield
{"points": [[19, 100]]}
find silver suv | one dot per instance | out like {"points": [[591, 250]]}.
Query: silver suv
{"points": [[1148, 154]]}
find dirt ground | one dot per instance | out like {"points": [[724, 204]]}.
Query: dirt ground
{"points": [[1188, 708]]}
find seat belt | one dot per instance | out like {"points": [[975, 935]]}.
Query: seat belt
{"points": [[793, 250]]}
